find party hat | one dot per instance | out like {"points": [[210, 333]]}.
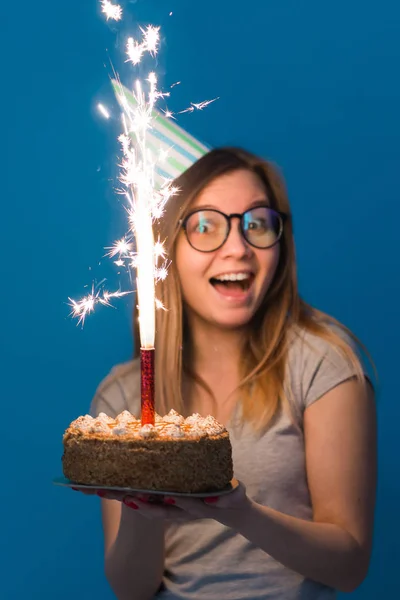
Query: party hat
{"points": [[172, 148]]}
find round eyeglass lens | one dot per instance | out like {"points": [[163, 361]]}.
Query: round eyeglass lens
{"points": [[206, 230], [262, 226]]}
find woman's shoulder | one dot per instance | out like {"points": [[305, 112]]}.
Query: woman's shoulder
{"points": [[124, 373], [317, 364], [307, 344], [119, 390]]}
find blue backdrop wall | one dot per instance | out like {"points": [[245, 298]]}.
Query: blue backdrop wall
{"points": [[312, 85]]}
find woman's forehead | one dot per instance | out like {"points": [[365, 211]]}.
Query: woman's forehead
{"points": [[237, 187]]}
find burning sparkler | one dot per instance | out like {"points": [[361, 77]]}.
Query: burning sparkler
{"points": [[144, 204], [154, 151]]}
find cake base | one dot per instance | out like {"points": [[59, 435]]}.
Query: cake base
{"points": [[63, 482], [182, 465]]}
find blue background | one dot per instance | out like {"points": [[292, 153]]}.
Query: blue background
{"points": [[312, 85]]}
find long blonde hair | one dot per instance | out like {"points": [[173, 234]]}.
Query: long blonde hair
{"points": [[282, 309]]}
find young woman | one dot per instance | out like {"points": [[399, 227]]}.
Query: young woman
{"points": [[237, 342]]}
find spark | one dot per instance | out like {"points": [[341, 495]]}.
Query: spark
{"points": [[124, 141], [168, 114], [157, 212], [161, 273], [83, 307], [153, 94], [197, 106], [107, 296], [149, 43], [161, 198], [159, 250], [168, 191], [134, 51], [203, 104], [144, 200], [112, 11], [86, 305], [159, 304], [121, 247], [134, 262], [151, 37], [102, 109]]}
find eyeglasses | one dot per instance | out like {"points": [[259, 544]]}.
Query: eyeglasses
{"points": [[208, 229]]}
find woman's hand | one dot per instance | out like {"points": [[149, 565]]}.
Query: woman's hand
{"points": [[226, 509], [150, 506]]}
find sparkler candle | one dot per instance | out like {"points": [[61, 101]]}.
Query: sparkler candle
{"points": [[138, 174], [147, 385], [145, 265], [145, 204], [147, 201]]}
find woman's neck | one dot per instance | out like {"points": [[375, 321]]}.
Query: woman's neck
{"points": [[214, 356], [211, 346]]}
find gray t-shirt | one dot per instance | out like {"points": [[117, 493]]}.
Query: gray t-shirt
{"points": [[206, 560]]}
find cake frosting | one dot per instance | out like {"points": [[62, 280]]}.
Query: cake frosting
{"points": [[172, 424], [191, 454]]}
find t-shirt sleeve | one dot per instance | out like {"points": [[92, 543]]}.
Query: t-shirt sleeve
{"points": [[119, 391], [325, 367]]}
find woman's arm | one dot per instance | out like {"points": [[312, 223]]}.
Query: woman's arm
{"points": [[334, 548], [134, 551]]}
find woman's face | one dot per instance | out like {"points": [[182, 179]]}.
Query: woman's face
{"points": [[232, 304]]}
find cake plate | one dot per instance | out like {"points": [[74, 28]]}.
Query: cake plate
{"points": [[64, 482]]}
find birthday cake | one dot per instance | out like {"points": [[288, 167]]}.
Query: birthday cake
{"points": [[175, 454]]}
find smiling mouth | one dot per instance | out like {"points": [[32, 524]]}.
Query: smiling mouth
{"points": [[234, 286]]}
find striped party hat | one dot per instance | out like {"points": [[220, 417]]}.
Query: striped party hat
{"points": [[178, 149]]}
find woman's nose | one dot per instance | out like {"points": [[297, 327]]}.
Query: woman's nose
{"points": [[235, 244]]}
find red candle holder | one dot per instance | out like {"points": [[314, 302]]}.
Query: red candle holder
{"points": [[147, 385]]}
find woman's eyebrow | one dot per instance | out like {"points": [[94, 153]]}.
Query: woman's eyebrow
{"points": [[205, 207], [260, 202]]}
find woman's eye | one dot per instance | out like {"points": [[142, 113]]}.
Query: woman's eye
{"points": [[257, 224], [202, 228]]}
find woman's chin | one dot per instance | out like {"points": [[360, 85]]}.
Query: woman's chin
{"points": [[232, 322]]}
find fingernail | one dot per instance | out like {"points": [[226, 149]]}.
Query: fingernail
{"points": [[101, 493], [75, 489], [131, 504], [211, 499], [169, 501], [143, 498]]}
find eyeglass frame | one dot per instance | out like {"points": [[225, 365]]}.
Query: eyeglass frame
{"points": [[228, 218]]}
